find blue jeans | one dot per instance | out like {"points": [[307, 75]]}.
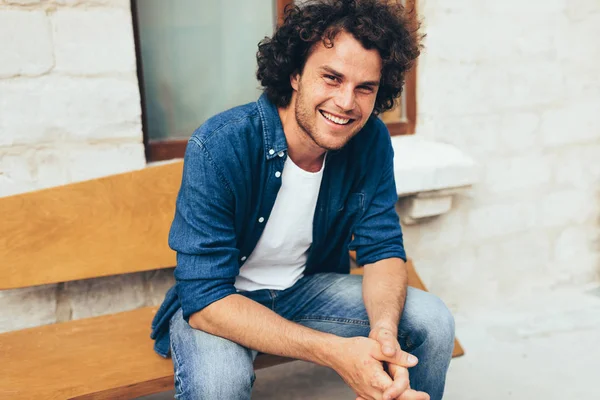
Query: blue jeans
{"points": [[210, 367]]}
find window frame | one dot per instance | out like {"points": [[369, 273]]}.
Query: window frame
{"points": [[161, 150]]}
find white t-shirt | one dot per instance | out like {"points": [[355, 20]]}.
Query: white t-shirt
{"points": [[279, 259]]}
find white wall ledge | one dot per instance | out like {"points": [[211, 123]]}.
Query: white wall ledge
{"points": [[422, 165], [427, 175]]}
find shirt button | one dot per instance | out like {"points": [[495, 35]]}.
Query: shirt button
{"points": [[271, 152], [244, 258], [277, 174], [280, 154], [261, 220]]}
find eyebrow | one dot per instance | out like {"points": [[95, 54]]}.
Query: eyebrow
{"points": [[337, 74]]}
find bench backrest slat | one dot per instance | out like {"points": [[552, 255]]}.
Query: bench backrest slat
{"points": [[112, 225]]}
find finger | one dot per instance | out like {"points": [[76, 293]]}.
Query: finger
{"points": [[400, 385], [412, 394], [404, 359], [381, 380], [401, 358]]}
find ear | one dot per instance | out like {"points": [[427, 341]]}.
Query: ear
{"points": [[294, 79]]}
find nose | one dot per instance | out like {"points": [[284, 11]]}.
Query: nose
{"points": [[345, 99]]}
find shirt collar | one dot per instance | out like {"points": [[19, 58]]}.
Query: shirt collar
{"points": [[274, 138]]}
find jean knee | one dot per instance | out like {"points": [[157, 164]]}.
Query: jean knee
{"points": [[208, 366], [215, 381], [230, 383], [427, 320], [444, 325]]}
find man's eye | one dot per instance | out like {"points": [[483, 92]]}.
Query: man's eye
{"points": [[366, 89], [331, 78]]}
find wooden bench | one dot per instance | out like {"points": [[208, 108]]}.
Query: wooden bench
{"points": [[108, 226]]}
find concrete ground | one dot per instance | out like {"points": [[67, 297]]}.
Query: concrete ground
{"points": [[544, 347]]}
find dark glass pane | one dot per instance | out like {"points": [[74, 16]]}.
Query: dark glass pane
{"points": [[198, 58]]}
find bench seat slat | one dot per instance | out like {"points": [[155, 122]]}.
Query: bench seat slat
{"points": [[109, 354], [106, 357]]}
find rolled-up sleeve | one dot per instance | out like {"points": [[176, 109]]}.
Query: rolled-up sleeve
{"points": [[377, 234], [203, 233]]}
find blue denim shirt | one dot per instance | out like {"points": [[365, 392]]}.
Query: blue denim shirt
{"points": [[231, 177]]}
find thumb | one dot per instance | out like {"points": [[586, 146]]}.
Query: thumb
{"points": [[404, 359], [400, 357]]}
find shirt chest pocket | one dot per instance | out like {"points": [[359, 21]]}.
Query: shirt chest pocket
{"points": [[354, 203]]}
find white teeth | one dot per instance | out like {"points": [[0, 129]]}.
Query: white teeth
{"points": [[339, 121]]}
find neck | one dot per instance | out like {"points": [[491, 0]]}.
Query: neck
{"points": [[303, 151]]}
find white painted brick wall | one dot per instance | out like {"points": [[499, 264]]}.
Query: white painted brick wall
{"points": [[26, 43], [108, 295], [575, 122], [496, 220], [575, 254], [578, 166], [510, 174], [69, 111], [515, 85], [57, 109], [25, 308], [568, 207], [93, 41]]}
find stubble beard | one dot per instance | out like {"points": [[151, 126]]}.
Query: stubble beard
{"points": [[303, 114]]}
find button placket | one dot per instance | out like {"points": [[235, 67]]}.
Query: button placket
{"points": [[273, 185]]}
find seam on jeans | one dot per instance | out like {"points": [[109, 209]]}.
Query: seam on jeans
{"points": [[347, 321], [178, 380], [176, 359]]}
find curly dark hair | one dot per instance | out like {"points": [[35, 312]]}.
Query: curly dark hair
{"points": [[377, 24]]}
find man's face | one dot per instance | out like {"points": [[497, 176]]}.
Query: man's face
{"points": [[335, 94]]}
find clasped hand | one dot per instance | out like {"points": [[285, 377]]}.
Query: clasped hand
{"points": [[363, 367]]}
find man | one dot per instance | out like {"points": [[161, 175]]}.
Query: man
{"points": [[274, 193]]}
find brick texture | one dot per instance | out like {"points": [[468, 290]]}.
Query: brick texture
{"points": [[69, 111], [515, 85], [90, 41], [26, 43]]}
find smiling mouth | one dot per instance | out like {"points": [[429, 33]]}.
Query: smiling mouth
{"points": [[336, 120]]}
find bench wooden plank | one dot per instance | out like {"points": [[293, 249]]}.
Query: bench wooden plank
{"points": [[107, 357], [107, 226]]}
